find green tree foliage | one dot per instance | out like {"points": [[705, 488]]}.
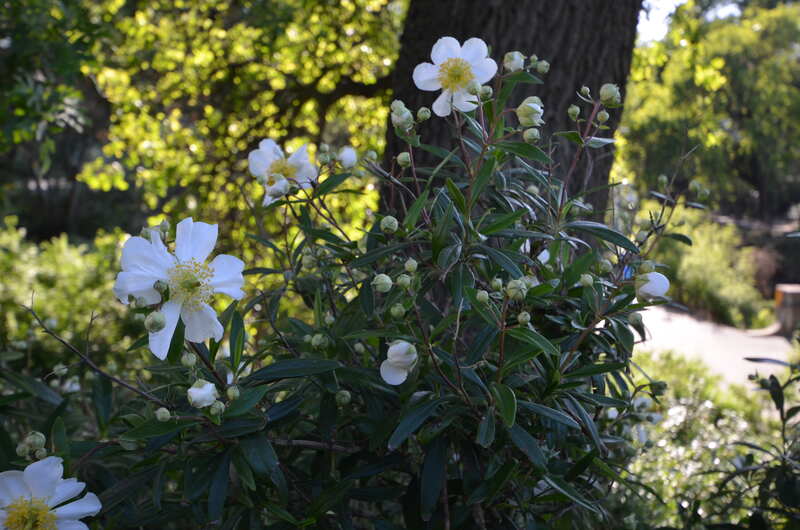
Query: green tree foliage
{"points": [[730, 87]]}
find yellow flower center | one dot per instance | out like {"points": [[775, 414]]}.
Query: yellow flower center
{"points": [[281, 168], [189, 283], [29, 514], [455, 74]]}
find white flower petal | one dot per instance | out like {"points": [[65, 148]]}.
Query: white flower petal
{"points": [[227, 277], [656, 285], [306, 172], [87, 506], [484, 70], [392, 374], [12, 487], [194, 240], [268, 200], [464, 101], [68, 524], [443, 104], [159, 342], [202, 394], [65, 490], [136, 284], [42, 476], [426, 76], [445, 48], [201, 324], [270, 148], [474, 49], [258, 162], [140, 255]]}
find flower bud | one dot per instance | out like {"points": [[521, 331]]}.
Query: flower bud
{"points": [[651, 285], [322, 158], [389, 224], [35, 440], [307, 338], [188, 359], [382, 283], [329, 319], [161, 286], [646, 266], [658, 388], [606, 266], [635, 319], [140, 302], [474, 88], [347, 157], [155, 322], [324, 148], [542, 66], [533, 189], [486, 92], [398, 311], [663, 181], [531, 136], [162, 414], [343, 398], [585, 91], [233, 392], [403, 119], [513, 61], [524, 318], [23, 450], [404, 281], [530, 111], [497, 284], [404, 159], [573, 111], [482, 296], [217, 408], [610, 95], [398, 106], [423, 114], [40, 454], [641, 236], [60, 370], [359, 348], [602, 116], [516, 290], [371, 155], [202, 394], [586, 280], [410, 265], [319, 340]]}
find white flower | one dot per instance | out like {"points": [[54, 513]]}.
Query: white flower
{"points": [[651, 285], [347, 157], [400, 359], [454, 68], [36, 498], [191, 281], [530, 112], [202, 394], [278, 173], [513, 61]]}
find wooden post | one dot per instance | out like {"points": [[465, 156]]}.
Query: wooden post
{"points": [[787, 307]]}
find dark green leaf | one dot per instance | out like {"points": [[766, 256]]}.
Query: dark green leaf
{"points": [[524, 150], [290, 368], [603, 232], [412, 421], [433, 476], [506, 403], [531, 337], [528, 445]]}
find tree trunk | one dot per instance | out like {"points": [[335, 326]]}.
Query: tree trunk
{"points": [[587, 42]]}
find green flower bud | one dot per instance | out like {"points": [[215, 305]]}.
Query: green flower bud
{"points": [[217, 408], [423, 114], [658, 388], [343, 398], [482, 296], [606, 266], [329, 319], [586, 280], [530, 111], [398, 311], [233, 392], [497, 284], [486, 92], [585, 91], [542, 66], [35, 440], [398, 106], [635, 319], [60, 370], [371, 155], [602, 116], [359, 348], [404, 159], [663, 181], [40, 454], [410, 265], [474, 88], [524, 318], [513, 61], [516, 290], [23, 450], [531, 136], [188, 359], [389, 224], [307, 339], [319, 341], [161, 286], [610, 95], [533, 189], [324, 148], [382, 283], [646, 266], [155, 322], [573, 111], [162, 414], [322, 158], [404, 281]]}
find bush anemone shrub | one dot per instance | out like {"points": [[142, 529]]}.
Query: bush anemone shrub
{"points": [[453, 371]]}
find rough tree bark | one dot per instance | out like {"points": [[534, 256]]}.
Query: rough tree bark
{"points": [[587, 42]]}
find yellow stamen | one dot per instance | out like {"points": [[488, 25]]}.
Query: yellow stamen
{"points": [[455, 74], [281, 168], [189, 284], [29, 514]]}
